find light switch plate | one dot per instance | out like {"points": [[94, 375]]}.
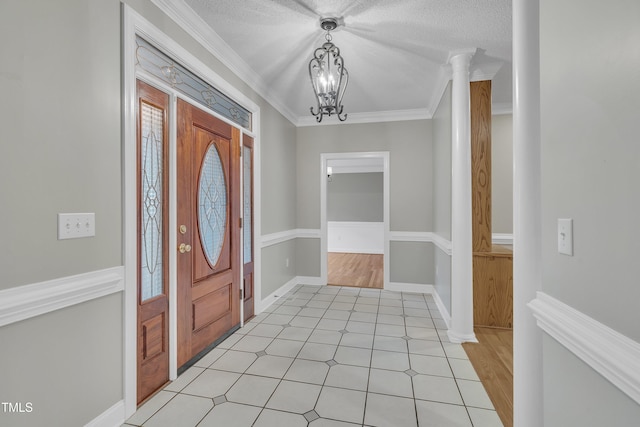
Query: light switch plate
{"points": [[565, 236], [76, 225]]}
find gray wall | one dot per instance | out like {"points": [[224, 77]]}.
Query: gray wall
{"points": [[410, 178], [442, 194], [61, 152], [355, 197], [590, 172], [502, 174]]}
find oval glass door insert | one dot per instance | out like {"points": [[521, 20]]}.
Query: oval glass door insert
{"points": [[212, 205]]}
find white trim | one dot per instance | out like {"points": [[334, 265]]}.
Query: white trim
{"points": [[442, 308], [310, 280], [112, 417], [611, 354], [324, 159], [23, 302], [283, 236], [261, 305], [502, 239], [422, 236], [370, 117], [500, 108], [418, 288]]}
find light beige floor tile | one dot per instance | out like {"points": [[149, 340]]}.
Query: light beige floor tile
{"points": [[183, 380], [454, 351], [341, 404], [325, 337], [150, 407], [230, 414], [363, 317], [252, 390], [210, 357], [390, 382], [211, 383], [426, 347], [434, 414], [390, 411], [182, 410], [265, 330], [357, 340], [234, 361], [391, 319], [390, 344], [291, 396], [390, 330], [323, 422], [316, 351], [463, 369], [307, 371], [337, 315], [390, 360], [360, 327], [305, 322], [436, 389], [271, 418], [423, 333], [430, 365], [484, 418], [287, 348], [252, 344], [474, 394], [332, 324], [295, 333], [351, 377], [353, 356], [270, 366]]}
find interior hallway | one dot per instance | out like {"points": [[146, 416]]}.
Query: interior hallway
{"points": [[330, 356]]}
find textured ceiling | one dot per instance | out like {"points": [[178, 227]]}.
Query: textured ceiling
{"points": [[396, 51]]}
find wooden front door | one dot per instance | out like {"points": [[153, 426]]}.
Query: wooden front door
{"points": [[247, 231], [208, 221], [152, 231]]}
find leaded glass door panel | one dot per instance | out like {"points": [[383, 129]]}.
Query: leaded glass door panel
{"points": [[247, 226], [208, 213], [153, 300]]}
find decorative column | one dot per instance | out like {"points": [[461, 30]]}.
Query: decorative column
{"points": [[527, 213], [461, 329]]}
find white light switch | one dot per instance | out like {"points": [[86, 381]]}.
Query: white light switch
{"points": [[76, 225], [565, 236]]}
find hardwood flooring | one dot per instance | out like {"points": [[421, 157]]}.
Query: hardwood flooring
{"points": [[359, 270], [492, 359]]}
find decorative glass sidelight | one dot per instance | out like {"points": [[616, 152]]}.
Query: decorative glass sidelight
{"points": [[155, 62], [212, 205], [151, 175], [246, 191]]}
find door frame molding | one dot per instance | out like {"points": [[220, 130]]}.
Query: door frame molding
{"points": [[324, 158], [135, 24]]}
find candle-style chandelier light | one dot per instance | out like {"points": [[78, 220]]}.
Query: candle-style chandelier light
{"points": [[328, 76]]}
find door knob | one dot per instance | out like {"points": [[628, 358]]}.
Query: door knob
{"points": [[184, 248]]}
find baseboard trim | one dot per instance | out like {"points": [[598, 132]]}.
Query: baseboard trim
{"points": [[418, 288], [442, 308], [273, 296], [611, 354], [23, 302], [310, 280], [112, 417]]}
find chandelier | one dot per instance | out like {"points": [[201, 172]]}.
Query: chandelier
{"points": [[328, 76]]}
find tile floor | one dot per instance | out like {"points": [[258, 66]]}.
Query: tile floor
{"points": [[330, 357]]}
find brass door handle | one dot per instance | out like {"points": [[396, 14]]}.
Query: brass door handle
{"points": [[184, 248]]}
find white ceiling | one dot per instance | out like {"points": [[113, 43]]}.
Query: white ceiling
{"points": [[395, 50]]}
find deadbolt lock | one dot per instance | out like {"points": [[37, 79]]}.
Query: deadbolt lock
{"points": [[183, 229]]}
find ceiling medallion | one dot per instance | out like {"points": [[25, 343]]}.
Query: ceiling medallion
{"points": [[328, 76]]}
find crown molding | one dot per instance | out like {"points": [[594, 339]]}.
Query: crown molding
{"points": [[195, 26]]}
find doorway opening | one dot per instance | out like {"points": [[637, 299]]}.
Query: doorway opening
{"points": [[355, 213]]}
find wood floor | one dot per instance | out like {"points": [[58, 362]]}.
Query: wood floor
{"points": [[360, 270], [492, 359]]}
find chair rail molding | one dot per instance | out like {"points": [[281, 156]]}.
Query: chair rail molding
{"points": [[611, 354], [23, 302]]}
